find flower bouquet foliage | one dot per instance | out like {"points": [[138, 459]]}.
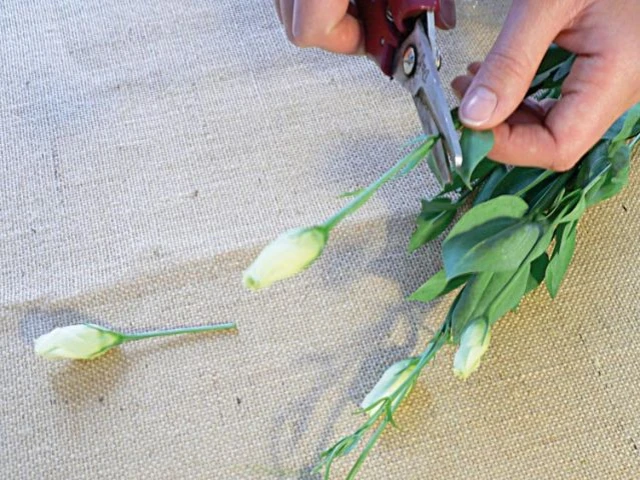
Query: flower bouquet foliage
{"points": [[519, 231]]}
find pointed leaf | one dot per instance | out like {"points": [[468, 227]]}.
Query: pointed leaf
{"points": [[437, 286], [475, 147], [430, 228], [615, 179], [516, 180], [461, 312], [545, 240], [553, 77], [555, 56], [623, 128], [497, 245], [594, 163], [537, 272], [487, 189], [485, 167], [510, 295], [561, 258], [437, 205], [489, 295], [499, 207], [579, 205]]}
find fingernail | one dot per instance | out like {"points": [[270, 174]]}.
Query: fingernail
{"points": [[477, 106]]}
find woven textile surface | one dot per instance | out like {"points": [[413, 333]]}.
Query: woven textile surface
{"points": [[151, 148]]}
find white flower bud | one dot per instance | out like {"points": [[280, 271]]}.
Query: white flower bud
{"points": [[474, 342], [289, 254], [82, 342], [392, 379]]}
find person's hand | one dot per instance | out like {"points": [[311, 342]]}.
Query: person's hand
{"points": [[326, 24], [604, 81], [321, 23]]}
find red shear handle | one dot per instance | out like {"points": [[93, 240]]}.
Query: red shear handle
{"points": [[386, 24]]}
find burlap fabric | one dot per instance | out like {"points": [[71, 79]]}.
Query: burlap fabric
{"points": [[150, 149]]}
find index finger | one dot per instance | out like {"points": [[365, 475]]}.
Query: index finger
{"points": [[326, 24], [446, 17], [591, 101]]}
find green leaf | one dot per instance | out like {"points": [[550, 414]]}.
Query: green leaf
{"points": [[563, 71], [545, 239], [555, 56], [537, 272], [624, 128], [510, 295], [437, 205], [489, 295], [503, 206], [553, 77], [615, 179], [485, 167], [487, 190], [593, 164], [475, 147], [498, 245], [435, 216], [561, 257], [460, 313], [537, 189], [429, 227], [437, 286], [517, 180], [578, 205]]}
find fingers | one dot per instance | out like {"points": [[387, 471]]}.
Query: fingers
{"points": [[321, 23], [502, 80], [555, 134], [593, 97], [529, 112], [461, 84], [446, 16]]}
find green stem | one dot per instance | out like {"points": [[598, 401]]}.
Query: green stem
{"points": [[132, 337], [374, 438], [368, 192]]}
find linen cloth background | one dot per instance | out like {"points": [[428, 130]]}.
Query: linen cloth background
{"points": [[150, 149]]}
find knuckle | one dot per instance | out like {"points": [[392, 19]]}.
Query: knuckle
{"points": [[564, 159], [508, 65]]}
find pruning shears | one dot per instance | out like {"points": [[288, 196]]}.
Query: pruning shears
{"points": [[400, 36]]}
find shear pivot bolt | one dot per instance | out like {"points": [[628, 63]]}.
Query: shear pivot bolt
{"points": [[409, 61]]}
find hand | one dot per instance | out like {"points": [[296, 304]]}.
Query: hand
{"points": [[326, 24], [604, 81], [321, 23]]}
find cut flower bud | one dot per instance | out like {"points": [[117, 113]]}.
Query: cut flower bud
{"points": [[88, 341], [80, 342], [474, 342], [289, 254], [392, 379]]}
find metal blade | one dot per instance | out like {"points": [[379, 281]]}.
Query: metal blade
{"points": [[416, 70]]}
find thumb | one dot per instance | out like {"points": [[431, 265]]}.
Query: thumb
{"points": [[504, 77]]}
